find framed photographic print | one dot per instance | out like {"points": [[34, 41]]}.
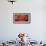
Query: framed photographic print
{"points": [[21, 18]]}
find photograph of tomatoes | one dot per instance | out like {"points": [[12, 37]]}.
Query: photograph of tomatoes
{"points": [[21, 18]]}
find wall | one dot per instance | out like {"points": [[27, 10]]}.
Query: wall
{"points": [[36, 28]]}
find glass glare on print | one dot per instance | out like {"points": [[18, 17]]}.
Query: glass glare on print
{"points": [[21, 18]]}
